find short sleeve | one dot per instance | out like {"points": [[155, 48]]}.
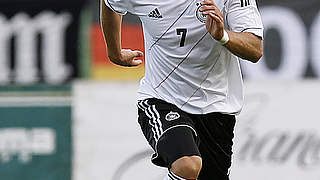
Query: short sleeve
{"points": [[118, 6], [244, 16]]}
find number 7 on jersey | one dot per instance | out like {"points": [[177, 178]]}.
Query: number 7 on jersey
{"points": [[183, 37]]}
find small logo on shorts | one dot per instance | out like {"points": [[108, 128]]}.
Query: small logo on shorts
{"points": [[172, 116]]}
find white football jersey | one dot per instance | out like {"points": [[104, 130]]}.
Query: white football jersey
{"points": [[184, 65]]}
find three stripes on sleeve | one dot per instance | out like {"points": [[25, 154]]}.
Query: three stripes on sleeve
{"points": [[245, 3]]}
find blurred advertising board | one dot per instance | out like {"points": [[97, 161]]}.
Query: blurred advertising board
{"points": [[108, 143], [291, 44], [35, 133], [39, 41], [277, 134], [292, 41]]}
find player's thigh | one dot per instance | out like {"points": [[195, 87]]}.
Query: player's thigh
{"points": [[169, 131], [216, 134]]}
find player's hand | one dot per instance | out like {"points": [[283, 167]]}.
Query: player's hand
{"points": [[127, 58], [215, 21]]}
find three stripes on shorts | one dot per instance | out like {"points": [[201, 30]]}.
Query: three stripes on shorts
{"points": [[154, 118], [155, 122], [174, 177]]}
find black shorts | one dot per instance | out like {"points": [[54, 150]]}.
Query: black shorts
{"points": [[173, 133]]}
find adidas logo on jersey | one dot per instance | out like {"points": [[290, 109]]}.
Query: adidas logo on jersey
{"points": [[155, 13]]}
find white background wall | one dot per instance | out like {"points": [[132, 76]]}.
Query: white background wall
{"points": [[277, 134]]}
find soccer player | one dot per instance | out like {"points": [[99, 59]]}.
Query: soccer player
{"points": [[192, 88]]}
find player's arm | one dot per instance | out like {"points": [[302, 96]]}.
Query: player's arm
{"points": [[111, 27], [243, 44]]}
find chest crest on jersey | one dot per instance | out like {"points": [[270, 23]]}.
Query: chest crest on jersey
{"points": [[202, 18]]}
